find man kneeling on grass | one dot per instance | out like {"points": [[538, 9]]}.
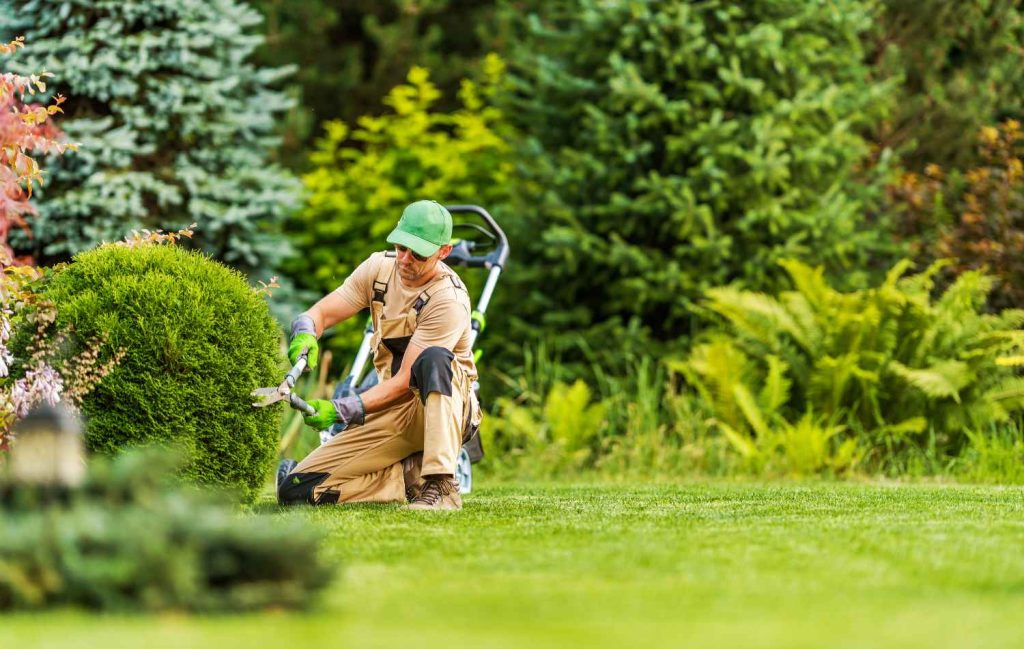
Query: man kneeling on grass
{"points": [[401, 437]]}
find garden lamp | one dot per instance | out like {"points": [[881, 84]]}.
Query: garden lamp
{"points": [[47, 450]]}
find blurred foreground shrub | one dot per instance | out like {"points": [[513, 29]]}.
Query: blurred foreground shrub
{"points": [[196, 339], [129, 539], [817, 380]]}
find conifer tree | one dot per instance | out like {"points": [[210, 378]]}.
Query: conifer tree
{"points": [[175, 126], [674, 146]]}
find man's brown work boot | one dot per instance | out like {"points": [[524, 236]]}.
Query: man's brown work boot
{"points": [[411, 467], [438, 492]]}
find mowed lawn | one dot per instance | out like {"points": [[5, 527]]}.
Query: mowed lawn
{"points": [[701, 564]]}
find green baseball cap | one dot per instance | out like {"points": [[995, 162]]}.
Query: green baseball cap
{"points": [[424, 227]]}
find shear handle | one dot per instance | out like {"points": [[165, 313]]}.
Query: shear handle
{"points": [[295, 401], [300, 365]]}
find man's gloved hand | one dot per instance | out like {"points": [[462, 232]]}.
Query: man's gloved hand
{"points": [[304, 336], [348, 411]]}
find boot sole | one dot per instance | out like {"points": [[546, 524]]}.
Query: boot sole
{"points": [[441, 508]]}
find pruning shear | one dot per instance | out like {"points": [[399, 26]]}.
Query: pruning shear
{"points": [[268, 396]]}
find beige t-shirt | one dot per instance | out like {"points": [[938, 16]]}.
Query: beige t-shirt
{"points": [[443, 322]]}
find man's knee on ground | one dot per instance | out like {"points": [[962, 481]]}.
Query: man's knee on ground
{"points": [[432, 372], [297, 488]]}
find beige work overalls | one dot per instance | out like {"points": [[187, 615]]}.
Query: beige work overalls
{"points": [[364, 463]]}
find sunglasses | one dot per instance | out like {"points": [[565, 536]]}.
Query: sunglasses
{"points": [[415, 255]]}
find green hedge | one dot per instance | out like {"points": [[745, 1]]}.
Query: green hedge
{"points": [[197, 340]]}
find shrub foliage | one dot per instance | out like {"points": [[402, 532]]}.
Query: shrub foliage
{"points": [[196, 341], [974, 217], [365, 176], [26, 130]]}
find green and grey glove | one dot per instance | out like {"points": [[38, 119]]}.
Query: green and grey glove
{"points": [[348, 411], [304, 336]]}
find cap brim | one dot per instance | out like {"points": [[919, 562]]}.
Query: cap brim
{"points": [[421, 247]]}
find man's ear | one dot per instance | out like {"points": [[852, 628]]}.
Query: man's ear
{"points": [[444, 251]]}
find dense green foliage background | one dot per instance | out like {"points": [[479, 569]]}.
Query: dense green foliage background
{"points": [[646, 158], [687, 146], [959, 68], [351, 53]]}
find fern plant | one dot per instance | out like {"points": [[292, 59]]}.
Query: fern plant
{"points": [[814, 379], [559, 431]]}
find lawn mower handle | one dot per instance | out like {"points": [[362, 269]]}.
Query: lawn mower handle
{"points": [[498, 256]]}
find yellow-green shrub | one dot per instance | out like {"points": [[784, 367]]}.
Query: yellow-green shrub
{"points": [[364, 175]]}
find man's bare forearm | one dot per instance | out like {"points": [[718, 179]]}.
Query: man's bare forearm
{"points": [[329, 311], [386, 394], [317, 316]]}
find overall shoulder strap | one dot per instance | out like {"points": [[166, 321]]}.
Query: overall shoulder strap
{"points": [[449, 279], [380, 283]]}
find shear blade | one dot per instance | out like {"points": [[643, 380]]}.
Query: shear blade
{"points": [[266, 396]]}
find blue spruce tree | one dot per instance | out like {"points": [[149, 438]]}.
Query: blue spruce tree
{"points": [[176, 126]]}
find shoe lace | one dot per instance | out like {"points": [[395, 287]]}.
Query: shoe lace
{"points": [[433, 491]]}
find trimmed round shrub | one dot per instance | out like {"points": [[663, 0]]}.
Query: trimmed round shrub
{"points": [[197, 340]]}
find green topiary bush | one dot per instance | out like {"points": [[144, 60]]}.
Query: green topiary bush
{"points": [[197, 340]]}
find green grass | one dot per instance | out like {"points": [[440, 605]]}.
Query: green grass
{"points": [[707, 564]]}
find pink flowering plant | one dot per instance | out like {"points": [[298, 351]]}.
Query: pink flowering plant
{"points": [[42, 371], [26, 130]]}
